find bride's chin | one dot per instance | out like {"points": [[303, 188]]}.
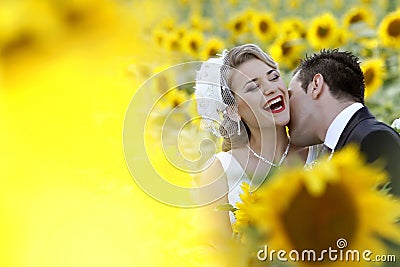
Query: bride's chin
{"points": [[282, 121]]}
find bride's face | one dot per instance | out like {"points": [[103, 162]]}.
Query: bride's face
{"points": [[261, 94]]}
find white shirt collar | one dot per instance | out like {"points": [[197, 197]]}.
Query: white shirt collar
{"points": [[339, 123]]}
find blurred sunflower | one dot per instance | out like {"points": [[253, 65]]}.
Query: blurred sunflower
{"points": [[368, 44], [212, 47], [233, 3], [172, 41], [241, 214], [167, 24], [78, 16], [159, 36], [389, 29], [293, 27], [197, 22], [264, 26], [25, 25], [287, 51], [238, 25], [192, 42], [295, 4], [343, 37], [374, 73], [338, 4], [336, 199], [358, 15], [323, 31], [182, 30]]}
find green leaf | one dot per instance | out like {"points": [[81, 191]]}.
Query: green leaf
{"points": [[227, 207]]}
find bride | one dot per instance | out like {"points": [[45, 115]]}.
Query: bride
{"points": [[242, 98]]}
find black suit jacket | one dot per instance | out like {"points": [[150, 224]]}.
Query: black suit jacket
{"points": [[376, 140]]}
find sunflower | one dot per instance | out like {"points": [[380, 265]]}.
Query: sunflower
{"points": [[192, 42], [233, 3], [248, 199], [172, 41], [264, 26], [159, 36], [212, 47], [323, 31], [174, 98], [287, 51], [368, 44], [389, 29], [335, 200], [78, 15], [23, 25], [162, 31], [167, 24], [359, 15], [293, 27], [343, 37], [196, 21], [338, 4], [238, 25], [374, 73], [295, 4]]}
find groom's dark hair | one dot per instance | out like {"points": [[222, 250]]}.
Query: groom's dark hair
{"points": [[340, 69]]}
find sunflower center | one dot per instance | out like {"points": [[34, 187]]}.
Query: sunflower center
{"points": [[394, 28], [212, 52], [193, 45], [21, 42], [263, 26], [159, 40], [286, 48], [175, 103], [356, 18], [309, 224], [369, 76], [174, 45], [74, 17], [322, 31], [238, 26]]}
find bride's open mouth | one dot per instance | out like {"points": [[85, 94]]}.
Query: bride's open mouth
{"points": [[275, 105]]}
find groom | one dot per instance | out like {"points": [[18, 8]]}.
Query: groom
{"points": [[327, 106]]}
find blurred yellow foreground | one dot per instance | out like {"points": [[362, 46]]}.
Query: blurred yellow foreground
{"points": [[68, 71]]}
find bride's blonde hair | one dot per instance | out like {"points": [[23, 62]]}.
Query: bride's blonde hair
{"points": [[232, 60]]}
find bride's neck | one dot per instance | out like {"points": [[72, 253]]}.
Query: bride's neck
{"points": [[269, 141]]}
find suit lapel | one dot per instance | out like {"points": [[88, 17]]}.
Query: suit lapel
{"points": [[360, 115]]}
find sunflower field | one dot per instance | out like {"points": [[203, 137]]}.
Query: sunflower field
{"points": [[88, 88]]}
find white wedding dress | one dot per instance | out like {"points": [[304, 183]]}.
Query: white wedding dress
{"points": [[236, 175]]}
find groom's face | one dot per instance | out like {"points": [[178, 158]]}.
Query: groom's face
{"points": [[302, 111]]}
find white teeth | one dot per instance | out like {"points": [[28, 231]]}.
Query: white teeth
{"points": [[273, 102]]}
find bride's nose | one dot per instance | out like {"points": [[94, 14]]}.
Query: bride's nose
{"points": [[269, 90]]}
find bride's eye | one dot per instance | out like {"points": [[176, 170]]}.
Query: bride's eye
{"points": [[251, 87], [273, 75]]}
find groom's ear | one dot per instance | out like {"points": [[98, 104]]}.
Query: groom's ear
{"points": [[317, 85]]}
